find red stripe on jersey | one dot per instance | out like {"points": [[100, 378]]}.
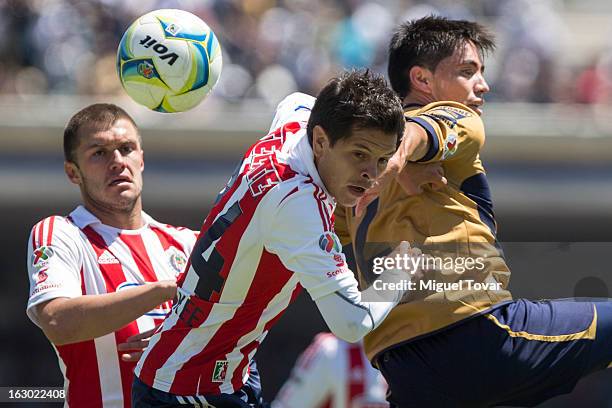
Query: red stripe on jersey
{"points": [[82, 373], [33, 234], [166, 239], [83, 288], [356, 372], [295, 190], [140, 256], [40, 233], [50, 230], [114, 276], [321, 206]]}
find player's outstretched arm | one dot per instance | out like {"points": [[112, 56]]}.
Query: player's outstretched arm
{"points": [[350, 317], [65, 320]]}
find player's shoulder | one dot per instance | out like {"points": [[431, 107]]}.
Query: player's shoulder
{"points": [[448, 112], [299, 189], [54, 224], [54, 230], [458, 109]]}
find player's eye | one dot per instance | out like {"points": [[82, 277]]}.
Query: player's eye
{"points": [[360, 155], [98, 153], [383, 162], [127, 149], [468, 73]]}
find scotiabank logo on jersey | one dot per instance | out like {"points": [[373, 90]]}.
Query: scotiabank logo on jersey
{"points": [[159, 312], [328, 242]]}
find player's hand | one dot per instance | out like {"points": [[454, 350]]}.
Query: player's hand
{"points": [[135, 345], [406, 251], [415, 176]]}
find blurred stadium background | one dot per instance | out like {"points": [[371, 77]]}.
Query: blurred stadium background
{"points": [[548, 119]]}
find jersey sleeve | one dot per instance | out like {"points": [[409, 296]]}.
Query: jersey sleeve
{"points": [[300, 234], [54, 262], [454, 131], [295, 107], [310, 384]]}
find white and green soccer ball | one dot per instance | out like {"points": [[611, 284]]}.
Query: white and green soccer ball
{"points": [[169, 60]]}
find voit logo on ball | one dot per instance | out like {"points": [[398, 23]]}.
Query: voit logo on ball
{"points": [[329, 242]]}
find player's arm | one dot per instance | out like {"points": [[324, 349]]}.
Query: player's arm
{"points": [[65, 320], [300, 235], [310, 383], [57, 304]]}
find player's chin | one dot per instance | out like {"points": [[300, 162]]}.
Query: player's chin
{"points": [[347, 200]]}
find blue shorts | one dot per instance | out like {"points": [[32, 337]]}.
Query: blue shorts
{"points": [[249, 396], [519, 354]]}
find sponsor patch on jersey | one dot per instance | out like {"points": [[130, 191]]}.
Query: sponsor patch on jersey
{"points": [[450, 146], [177, 260], [107, 258], [41, 256], [339, 260], [42, 276], [220, 371], [329, 242]]}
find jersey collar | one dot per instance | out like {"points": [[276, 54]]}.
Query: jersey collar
{"points": [[83, 218], [306, 157]]}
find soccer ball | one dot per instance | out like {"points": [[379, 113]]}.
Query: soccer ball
{"points": [[169, 60]]}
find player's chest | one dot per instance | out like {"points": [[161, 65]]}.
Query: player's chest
{"points": [[122, 262]]}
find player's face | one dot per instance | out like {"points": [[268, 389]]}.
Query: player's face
{"points": [[460, 78], [108, 169], [350, 166]]}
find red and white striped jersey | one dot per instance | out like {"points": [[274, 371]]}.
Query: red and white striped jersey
{"points": [[78, 255], [269, 234], [332, 373]]}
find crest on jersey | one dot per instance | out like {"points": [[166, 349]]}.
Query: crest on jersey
{"points": [[450, 146], [41, 256], [177, 260], [328, 242], [220, 371]]}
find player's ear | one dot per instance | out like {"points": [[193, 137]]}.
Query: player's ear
{"points": [[141, 160], [72, 172], [420, 79], [320, 141]]}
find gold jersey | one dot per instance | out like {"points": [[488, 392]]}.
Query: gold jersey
{"points": [[456, 222]]}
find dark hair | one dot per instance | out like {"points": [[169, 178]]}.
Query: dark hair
{"points": [[101, 114], [357, 99], [426, 42]]}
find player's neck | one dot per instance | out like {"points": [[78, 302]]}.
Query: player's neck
{"points": [[126, 220], [417, 98]]}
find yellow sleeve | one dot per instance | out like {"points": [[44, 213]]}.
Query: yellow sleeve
{"points": [[341, 225], [454, 131]]}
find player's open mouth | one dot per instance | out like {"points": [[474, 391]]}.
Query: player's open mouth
{"points": [[477, 108], [119, 180], [356, 190]]}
